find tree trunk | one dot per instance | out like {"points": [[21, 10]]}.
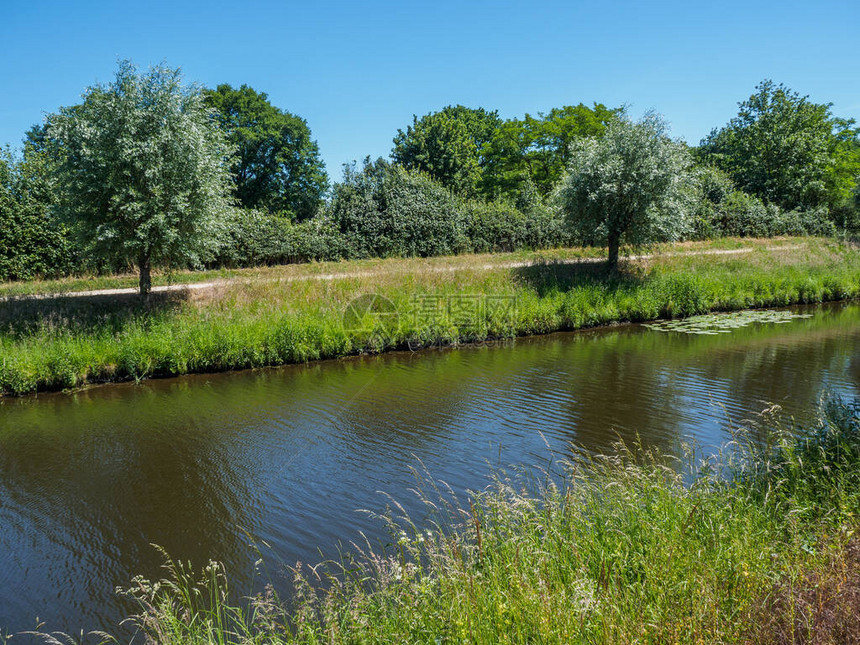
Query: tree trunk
{"points": [[145, 278], [614, 241]]}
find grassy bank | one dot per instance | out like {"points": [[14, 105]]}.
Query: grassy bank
{"points": [[756, 545], [310, 270], [282, 315]]}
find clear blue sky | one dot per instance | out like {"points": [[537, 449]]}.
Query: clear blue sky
{"points": [[357, 70]]}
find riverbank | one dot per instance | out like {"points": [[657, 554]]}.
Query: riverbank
{"points": [[755, 545], [269, 317]]}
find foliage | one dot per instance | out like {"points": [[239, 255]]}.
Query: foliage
{"points": [[804, 222], [32, 242], [535, 151], [843, 177], [256, 238], [723, 211], [632, 185], [126, 184], [277, 166], [499, 226], [845, 203], [253, 238], [787, 150], [318, 239], [853, 222], [141, 171], [713, 184], [385, 210], [448, 146]]}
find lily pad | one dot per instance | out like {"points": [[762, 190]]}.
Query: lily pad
{"points": [[725, 323]]}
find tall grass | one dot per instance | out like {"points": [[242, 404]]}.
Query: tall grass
{"points": [[754, 545], [69, 342]]}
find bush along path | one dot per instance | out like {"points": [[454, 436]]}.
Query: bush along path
{"points": [[69, 342]]}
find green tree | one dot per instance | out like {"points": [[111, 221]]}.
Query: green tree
{"points": [[536, 150], [32, 242], [9, 245], [787, 150], [448, 145], [277, 165], [631, 185], [843, 180], [141, 171]]}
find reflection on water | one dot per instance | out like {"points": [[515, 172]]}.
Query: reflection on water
{"points": [[88, 481]]}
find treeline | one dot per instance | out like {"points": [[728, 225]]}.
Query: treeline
{"points": [[149, 172]]}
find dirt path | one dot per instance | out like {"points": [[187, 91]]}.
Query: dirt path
{"points": [[192, 286]]}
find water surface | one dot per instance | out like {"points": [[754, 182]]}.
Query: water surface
{"points": [[88, 481]]}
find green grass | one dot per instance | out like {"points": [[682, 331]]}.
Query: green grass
{"points": [[754, 545], [298, 271], [292, 271], [272, 318]]}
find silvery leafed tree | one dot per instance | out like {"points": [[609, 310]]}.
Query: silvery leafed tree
{"points": [[629, 186], [142, 170]]}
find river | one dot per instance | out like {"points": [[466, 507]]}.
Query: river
{"points": [[204, 465]]}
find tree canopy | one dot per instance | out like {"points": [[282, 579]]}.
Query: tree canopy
{"points": [[141, 171], [630, 185], [536, 150], [277, 165], [475, 153], [448, 145], [787, 150]]}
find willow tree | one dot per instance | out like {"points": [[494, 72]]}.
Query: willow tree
{"points": [[632, 185], [142, 170]]}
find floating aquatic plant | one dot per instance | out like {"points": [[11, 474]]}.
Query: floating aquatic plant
{"points": [[725, 323]]}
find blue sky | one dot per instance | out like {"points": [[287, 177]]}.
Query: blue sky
{"points": [[358, 71]]}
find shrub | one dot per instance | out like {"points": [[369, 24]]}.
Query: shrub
{"points": [[395, 213], [724, 211], [809, 222], [255, 238], [316, 239], [546, 228], [495, 226], [742, 215], [384, 210], [32, 242]]}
